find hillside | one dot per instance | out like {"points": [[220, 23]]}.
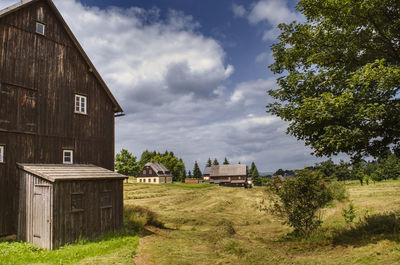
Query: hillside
{"points": [[218, 225]]}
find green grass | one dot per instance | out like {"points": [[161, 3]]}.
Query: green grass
{"points": [[220, 225], [206, 224], [112, 249]]}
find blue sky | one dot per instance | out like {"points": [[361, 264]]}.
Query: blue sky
{"points": [[190, 75]]}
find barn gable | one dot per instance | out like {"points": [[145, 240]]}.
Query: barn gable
{"points": [[56, 29]]}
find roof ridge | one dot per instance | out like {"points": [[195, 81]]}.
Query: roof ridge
{"points": [[15, 7]]}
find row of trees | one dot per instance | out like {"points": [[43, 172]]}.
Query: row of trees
{"points": [[216, 163]]}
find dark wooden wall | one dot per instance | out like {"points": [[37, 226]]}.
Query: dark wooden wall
{"points": [[97, 216], [39, 76]]}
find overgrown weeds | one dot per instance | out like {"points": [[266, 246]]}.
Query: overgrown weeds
{"points": [[137, 217], [371, 228]]}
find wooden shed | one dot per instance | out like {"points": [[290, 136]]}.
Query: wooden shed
{"points": [[61, 203]]}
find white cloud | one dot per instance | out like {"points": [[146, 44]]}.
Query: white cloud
{"points": [[239, 10], [273, 12]]}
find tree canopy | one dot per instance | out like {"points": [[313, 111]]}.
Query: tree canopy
{"points": [[215, 163], [340, 77], [125, 163], [226, 162], [196, 171]]}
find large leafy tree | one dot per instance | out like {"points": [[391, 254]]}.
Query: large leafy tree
{"points": [[125, 163], [340, 76]]}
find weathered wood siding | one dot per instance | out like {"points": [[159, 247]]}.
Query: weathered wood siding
{"points": [[102, 210], [39, 76]]}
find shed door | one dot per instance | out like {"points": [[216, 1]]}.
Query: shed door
{"points": [[41, 218]]}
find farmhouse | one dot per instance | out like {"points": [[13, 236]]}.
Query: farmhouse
{"points": [[54, 109], [206, 174], [154, 173], [230, 175]]}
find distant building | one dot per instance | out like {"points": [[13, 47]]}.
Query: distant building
{"points": [[206, 174], [155, 173], [230, 175], [192, 181]]}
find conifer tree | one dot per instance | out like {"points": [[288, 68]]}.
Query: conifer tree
{"points": [[189, 175], [209, 162], [226, 162], [255, 175], [196, 171], [215, 163]]}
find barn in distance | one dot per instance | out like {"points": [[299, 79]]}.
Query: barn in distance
{"points": [[54, 106]]}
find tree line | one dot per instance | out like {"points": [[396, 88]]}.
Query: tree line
{"points": [[127, 164]]}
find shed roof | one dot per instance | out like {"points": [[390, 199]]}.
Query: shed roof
{"points": [[207, 171], [62, 172], [23, 3], [159, 168], [228, 170]]}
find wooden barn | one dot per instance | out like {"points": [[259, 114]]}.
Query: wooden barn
{"points": [[58, 204], [230, 175], [54, 106], [154, 173]]}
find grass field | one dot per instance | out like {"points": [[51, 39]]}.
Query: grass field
{"points": [[207, 224], [217, 225]]}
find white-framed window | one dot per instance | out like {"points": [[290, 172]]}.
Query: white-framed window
{"points": [[68, 156], [80, 104], [40, 28], [154, 180], [2, 153], [149, 180]]}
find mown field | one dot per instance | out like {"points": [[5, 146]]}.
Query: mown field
{"points": [[207, 224], [217, 225]]}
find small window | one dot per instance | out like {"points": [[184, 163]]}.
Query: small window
{"points": [[150, 172], [154, 180], [76, 202], [68, 157], [140, 180], [1, 153], [144, 172], [40, 28], [149, 180], [80, 104], [105, 199]]}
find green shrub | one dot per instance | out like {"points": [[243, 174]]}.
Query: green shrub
{"points": [[137, 217], [299, 200], [349, 214], [338, 190]]}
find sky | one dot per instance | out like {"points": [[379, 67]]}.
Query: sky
{"points": [[191, 76]]}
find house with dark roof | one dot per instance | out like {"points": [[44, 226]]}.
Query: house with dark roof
{"points": [[54, 109], [230, 175], [155, 173]]}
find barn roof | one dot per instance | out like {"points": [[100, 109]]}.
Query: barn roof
{"points": [[24, 3], [228, 170], [159, 168], [62, 172], [207, 171]]}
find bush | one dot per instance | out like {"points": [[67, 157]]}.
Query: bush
{"points": [[349, 214], [338, 190], [299, 200], [137, 217]]}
